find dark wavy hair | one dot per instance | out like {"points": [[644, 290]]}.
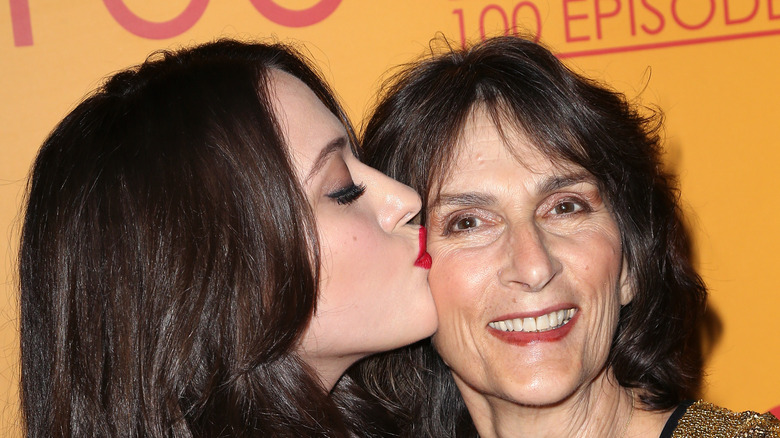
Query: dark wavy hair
{"points": [[412, 137], [169, 260]]}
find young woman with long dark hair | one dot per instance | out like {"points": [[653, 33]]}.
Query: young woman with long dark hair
{"points": [[204, 255]]}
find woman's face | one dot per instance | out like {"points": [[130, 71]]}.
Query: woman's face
{"points": [[373, 293], [527, 271]]}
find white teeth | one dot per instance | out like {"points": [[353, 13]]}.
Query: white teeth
{"points": [[553, 319], [543, 323]]}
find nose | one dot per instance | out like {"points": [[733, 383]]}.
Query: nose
{"points": [[396, 203], [528, 262]]}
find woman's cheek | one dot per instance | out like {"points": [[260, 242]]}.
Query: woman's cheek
{"points": [[459, 280]]}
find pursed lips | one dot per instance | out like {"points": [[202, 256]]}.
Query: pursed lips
{"points": [[423, 258]]}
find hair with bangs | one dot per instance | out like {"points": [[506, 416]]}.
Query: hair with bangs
{"points": [[169, 260], [412, 136]]}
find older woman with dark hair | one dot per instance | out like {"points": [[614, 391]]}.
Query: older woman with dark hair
{"points": [[203, 255], [568, 304]]}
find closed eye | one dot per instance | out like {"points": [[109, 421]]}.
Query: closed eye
{"points": [[348, 194]]}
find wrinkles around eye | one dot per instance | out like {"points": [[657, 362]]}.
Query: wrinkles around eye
{"points": [[568, 207], [460, 223]]}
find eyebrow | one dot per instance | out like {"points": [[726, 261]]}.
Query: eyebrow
{"points": [[546, 185], [334, 146], [557, 182], [467, 199]]}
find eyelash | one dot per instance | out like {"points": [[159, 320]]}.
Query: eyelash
{"points": [[348, 195]]}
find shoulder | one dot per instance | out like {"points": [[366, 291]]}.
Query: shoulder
{"points": [[704, 419]]}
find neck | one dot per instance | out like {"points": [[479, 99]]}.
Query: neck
{"points": [[329, 377], [601, 408], [329, 369]]}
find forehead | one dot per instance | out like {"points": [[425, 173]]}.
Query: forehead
{"points": [[485, 145], [307, 125]]}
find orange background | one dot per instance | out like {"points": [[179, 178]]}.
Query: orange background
{"points": [[710, 65]]}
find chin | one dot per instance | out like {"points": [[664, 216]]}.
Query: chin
{"points": [[545, 390], [541, 400], [423, 327], [425, 320]]}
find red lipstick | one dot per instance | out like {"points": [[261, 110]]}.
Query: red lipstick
{"points": [[423, 258]]}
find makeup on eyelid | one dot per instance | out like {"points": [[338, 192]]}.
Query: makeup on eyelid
{"points": [[348, 195]]}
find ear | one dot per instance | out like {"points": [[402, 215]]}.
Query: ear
{"points": [[626, 288]]}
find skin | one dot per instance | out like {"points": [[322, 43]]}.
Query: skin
{"points": [[520, 239], [371, 296]]}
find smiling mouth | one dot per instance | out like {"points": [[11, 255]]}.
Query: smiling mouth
{"points": [[544, 323]]}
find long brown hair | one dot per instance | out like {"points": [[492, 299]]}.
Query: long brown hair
{"points": [[169, 261]]}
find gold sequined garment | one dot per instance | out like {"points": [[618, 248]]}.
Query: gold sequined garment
{"points": [[705, 420]]}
